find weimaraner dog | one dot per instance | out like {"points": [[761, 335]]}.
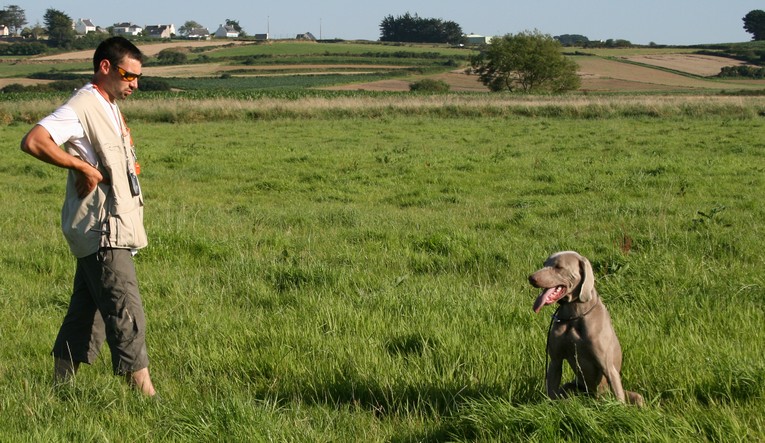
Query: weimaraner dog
{"points": [[581, 330]]}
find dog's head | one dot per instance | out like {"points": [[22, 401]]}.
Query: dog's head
{"points": [[565, 278]]}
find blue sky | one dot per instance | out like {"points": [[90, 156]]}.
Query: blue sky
{"points": [[673, 22]]}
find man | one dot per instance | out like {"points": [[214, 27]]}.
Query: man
{"points": [[102, 217]]}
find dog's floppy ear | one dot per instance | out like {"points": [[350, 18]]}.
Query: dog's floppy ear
{"points": [[588, 279]]}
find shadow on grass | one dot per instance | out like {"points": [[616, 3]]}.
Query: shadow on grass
{"points": [[443, 400]]}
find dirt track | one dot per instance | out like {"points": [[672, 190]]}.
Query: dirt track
{"points": [[148, 49]]}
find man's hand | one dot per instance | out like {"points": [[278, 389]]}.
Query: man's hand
{"points": [[86, 180]]}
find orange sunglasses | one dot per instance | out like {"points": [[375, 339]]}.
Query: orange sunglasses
{"points": [[127, 75]]}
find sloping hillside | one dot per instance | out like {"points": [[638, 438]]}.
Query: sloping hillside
{"points": [[639, 70]]}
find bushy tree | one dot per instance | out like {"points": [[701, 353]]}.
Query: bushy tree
{"points": [[414, 29], [59, 28], [188, 27], [429, 85], [32, 48], [171, 56], [754, 23], [572, 39], [34, 33], [528, 61], [13, 17]]}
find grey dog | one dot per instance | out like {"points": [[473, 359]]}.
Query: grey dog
{"points": [[581, 331]]}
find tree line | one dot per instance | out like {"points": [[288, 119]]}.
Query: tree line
{"points": [[415, 29]]}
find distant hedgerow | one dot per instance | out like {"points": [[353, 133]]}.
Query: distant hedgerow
{"points": [[429, 85], [742, 71]]}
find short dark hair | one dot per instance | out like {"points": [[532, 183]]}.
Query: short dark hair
{"points": [[115, 49]]}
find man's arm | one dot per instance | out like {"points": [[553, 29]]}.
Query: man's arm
{"points": [[39, 144]]}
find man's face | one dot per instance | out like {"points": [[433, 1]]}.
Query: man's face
{"points": [[122, 78]]}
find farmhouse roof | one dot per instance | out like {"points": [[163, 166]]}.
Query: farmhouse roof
{"points": [[306, 36], [226, 31], [198, 33]]}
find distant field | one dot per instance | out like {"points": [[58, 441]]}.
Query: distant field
{"points": [[696, 64], [602, 70], [602, 74]]}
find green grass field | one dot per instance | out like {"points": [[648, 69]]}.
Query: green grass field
{"points": [[362, 276]]}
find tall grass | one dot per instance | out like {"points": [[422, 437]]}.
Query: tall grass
{"points": [[316, 278], [207, 106]]}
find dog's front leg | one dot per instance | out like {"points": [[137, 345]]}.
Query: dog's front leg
{"points": [[615, 382], [553, 377]]}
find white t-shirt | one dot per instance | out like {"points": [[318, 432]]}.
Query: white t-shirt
{"points": [[64, 126]]}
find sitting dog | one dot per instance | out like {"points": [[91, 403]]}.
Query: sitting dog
{"points": [[580, 332]]}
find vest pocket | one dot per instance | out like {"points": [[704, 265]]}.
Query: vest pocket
{"points": [[126, 229]]}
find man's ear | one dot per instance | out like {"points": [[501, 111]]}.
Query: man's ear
{"points": [[105, 66]]}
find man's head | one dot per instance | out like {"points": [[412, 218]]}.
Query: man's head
{"points": [[117, 67]]}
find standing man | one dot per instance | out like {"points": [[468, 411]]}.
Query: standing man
{"points": [[102, 217]]}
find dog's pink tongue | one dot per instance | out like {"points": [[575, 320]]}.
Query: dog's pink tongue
{"points": [[548, 297]]}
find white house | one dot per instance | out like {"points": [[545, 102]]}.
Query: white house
{"points": [[226, 31], [83, 25], [4, 31], [127, 29], [160, 31]]}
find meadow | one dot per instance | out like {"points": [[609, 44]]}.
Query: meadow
{"points": [[360, 275], [352, 265]]}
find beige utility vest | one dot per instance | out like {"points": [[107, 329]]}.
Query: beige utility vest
{"points": [[110, 216]]}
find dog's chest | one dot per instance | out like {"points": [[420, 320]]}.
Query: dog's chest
{"points": [[566, 338]]}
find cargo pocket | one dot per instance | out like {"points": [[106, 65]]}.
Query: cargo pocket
{"points": [[124, 325]]}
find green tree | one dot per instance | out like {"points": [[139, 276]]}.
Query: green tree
{"points": [[528, 61], [188, 27], [754, 23], [33, 33], [59, 28], [429, 85], [415, 29], [572, 39], [171, 57], [13, 17]]}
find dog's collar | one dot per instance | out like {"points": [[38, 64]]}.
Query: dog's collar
{"points": [[557, 319]]}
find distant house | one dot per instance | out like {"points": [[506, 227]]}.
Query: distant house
{"points": [[226, 31], [475, 39], [4, 31], [83, 25], [261, 37], [198, 34], [159, 31], [307, 36], [127, 29]]}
